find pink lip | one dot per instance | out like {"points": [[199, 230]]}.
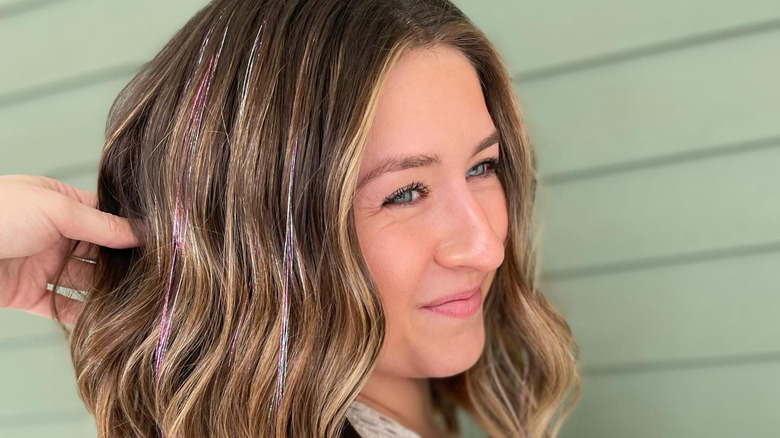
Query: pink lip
{"points": [[459, 305]]}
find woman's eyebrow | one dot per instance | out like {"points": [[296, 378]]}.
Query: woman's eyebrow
{"points": [[403, 162]]}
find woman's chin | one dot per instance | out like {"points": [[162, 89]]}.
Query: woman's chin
{"points": [[455, 360]]}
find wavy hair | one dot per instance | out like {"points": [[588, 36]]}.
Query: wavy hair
{"points": [[248, 309]]}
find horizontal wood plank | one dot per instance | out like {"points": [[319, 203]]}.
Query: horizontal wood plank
{"points": [[683, 101], [46, 425], [716, 402], [705, 206], [538, 34], [59, 132], [19, 330], [719, 310], [72, 38], [38, 378]]}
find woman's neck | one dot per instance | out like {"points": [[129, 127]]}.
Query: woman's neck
{"points": [[407, 401]]}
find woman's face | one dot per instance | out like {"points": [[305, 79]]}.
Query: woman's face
{"points": [[445, 237]]}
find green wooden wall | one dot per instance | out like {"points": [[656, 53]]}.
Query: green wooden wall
{"points": [[657, 127]]}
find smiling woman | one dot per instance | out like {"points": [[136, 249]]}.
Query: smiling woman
{"points": [[336, 202], [434, 259]]}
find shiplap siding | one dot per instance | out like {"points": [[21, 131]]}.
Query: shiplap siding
{"points": [[657, 129]]}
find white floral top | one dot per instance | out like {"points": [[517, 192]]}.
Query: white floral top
{"points": [[372, 424]]}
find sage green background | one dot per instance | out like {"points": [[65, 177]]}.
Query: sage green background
{"points": [[657, 126]]}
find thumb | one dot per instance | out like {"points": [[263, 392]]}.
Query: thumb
{"points": [[78, 221]]}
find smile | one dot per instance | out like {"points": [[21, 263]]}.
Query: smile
{"points": [[462, 308]]}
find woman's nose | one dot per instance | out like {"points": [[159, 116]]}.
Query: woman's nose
{"points": [[467, 231]]}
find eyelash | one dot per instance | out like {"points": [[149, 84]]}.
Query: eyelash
{"points": [[421, 187]]}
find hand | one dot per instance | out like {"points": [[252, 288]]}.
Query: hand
{"points": [[39, 221]]}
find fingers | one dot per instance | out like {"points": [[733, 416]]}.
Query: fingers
{"points": [[76, 216], [87, 198], [78, 275], [68, 309], [76, 280], [86, 250], [83, 196], [78, 221]]}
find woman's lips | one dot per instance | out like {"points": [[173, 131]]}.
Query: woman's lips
{"points": [[462, 308]]}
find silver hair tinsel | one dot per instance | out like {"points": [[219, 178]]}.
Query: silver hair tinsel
{"points": [[182, 207]]}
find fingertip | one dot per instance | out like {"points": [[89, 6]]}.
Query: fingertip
{"points": [[138, 230], [125, 236]]}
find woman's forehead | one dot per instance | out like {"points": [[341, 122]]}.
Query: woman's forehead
{"points": [[431, 98]]}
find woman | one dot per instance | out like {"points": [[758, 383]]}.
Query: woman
{"points": [[305, 183]]}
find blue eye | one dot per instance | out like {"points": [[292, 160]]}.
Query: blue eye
{"points": [[403, 196], [404, 193], [491, 163]]}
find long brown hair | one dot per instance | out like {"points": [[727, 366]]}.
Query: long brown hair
{"points": [[182, 335]]}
